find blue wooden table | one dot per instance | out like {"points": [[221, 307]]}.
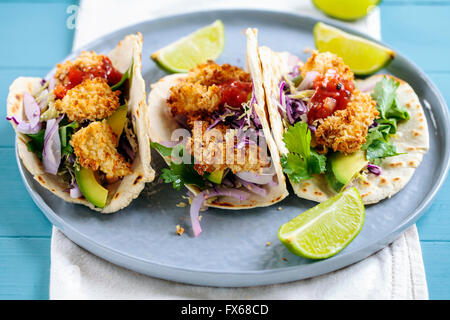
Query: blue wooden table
{"points": [[34, 36]]}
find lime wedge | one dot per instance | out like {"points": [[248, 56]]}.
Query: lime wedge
{"points": [[346, 9], [325, 229], [364, 57], [198, 47]]}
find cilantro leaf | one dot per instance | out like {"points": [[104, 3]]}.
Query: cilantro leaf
{"points": [[163, 150], [301, 162], [181, 174], [380, 149], [297, 139], [36, 144], [377, 144], [65, 134], [295, 167], [126, 76], [384, 94], [317, 163]]}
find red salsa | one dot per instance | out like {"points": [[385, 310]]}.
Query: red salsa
{"points": [[235, 93], [76, 76], [331, 93]]}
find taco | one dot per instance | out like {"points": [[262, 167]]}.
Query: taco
{"points": [[334, 132], [83, 133], [227, 157]]}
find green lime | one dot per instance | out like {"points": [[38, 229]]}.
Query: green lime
{"points": [[325, 229], [198, 47], [346, 9], [364, 57]]}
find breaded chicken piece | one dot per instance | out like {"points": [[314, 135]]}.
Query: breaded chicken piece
{"points": [[85, 62], [346, 130], [322, 62], [194, 98], [211, 154], [90, 100], [95, 148], [199, 94], [211, 73]]}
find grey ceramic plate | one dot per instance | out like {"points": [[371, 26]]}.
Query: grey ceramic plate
{"points": [[232, 249]]}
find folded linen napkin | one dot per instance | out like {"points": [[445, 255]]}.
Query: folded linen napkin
{"points": [[396, 272]]}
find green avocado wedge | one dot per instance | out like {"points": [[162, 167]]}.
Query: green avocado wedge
{"points": [[216, 176], [345, 167], [118, 120], [90, 188]]}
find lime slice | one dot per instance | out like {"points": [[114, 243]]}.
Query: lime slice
{"points": [[364, 57], [346, 9], [198, 47], [325, 229]]}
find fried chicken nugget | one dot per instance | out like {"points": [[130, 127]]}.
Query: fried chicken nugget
{"points": [[87, 61], [95, 148], [346, 130], [90, 100], [323, 61], [199, 93]]}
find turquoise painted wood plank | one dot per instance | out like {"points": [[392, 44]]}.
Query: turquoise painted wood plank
{"points": [[37, 32], [435, 223], [19, 216], [7, 76], [419, 32], [24, 265], [436, 259]]}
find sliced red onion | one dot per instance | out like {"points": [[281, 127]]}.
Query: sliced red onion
{"points": [[376, 170], [75, 192], [51, 155], [282, 85], [252, 187], [51, 84], [254, 177], [33, 114], [308, 81], [200, 198], [312, 129]]}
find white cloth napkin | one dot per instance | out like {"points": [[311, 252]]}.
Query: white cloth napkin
{"points": [[396, 272]]}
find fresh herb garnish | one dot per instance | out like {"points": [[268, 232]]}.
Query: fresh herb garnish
{"points": [[36, 144], [178, 174], [65, 134], [127, 75], [377, 144], [301, 162]]}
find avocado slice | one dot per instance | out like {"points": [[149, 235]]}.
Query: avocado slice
{"points": [[216, 176], [118, 120], [90, 188], [345, 167]]}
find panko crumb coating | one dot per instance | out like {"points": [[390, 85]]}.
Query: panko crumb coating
{"points": [[91, 100], [346, 130], [95, 148]]}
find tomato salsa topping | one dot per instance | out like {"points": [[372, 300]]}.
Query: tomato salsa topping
{"points": [[332, 93], [76, 76], [235, 93]]}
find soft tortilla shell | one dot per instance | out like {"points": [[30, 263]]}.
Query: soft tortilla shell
{"points": [[123, 192]]}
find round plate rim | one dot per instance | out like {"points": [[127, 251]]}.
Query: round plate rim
{"points": [[251, 277]]}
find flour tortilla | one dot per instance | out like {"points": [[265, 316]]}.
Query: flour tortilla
{"points": [[412, 137], [162, 126], [124, 191]]}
